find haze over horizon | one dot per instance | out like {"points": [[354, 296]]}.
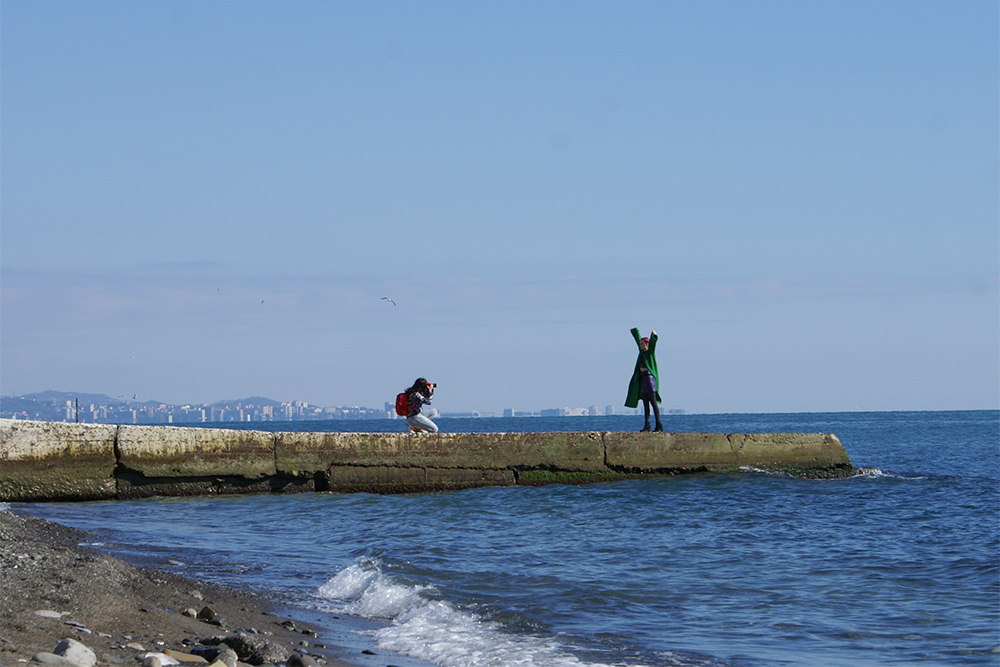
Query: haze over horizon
{"points": [[207, 200]]}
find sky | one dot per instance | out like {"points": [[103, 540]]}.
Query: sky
{"points": [[203, 201]]}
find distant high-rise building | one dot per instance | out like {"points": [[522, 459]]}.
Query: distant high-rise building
{"points": [[508, 412], [609, 410]]}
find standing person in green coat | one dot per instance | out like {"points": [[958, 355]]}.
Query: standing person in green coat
{"points": [[645, 382]]}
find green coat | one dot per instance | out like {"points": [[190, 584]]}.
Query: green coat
{"points": [[648, 359]]}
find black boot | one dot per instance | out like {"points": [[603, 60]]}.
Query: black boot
{"points": [[659, 426], [645, 428]]}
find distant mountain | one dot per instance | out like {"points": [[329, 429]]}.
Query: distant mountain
{"points": [[103, 399], [49, 395]]}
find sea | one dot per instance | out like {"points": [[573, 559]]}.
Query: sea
{"points": [[898, 565]]}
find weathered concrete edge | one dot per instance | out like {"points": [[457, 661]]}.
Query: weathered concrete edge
{"points": [[57, 461]]}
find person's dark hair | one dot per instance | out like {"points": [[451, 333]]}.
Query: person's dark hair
{"points": [[421, 386]]}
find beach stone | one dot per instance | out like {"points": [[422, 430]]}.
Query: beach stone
{"points": [[48, 613], [151, 661], [135, 646], [47, 658], [76, 652], [183, 657], [79, 626], [206, 613], [254, 649], [190, 612], [206, 654], [227, 656], [298, 660]]}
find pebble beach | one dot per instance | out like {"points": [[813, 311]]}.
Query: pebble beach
{"points": [[68, 605]]}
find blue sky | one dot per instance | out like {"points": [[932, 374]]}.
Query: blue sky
{"points": [[202, 201]]}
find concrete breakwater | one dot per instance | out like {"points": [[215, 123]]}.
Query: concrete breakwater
{"points": [[52, 461]]}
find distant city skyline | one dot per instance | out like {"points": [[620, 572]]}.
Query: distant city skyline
{"points": [[101, 408]]}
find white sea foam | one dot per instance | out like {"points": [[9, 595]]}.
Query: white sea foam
{"points": [[761, 471], [350, 582], [875, 473], [869, 473], [433, 630]]}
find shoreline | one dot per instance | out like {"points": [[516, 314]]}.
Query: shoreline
{"points": [[122, 612]]}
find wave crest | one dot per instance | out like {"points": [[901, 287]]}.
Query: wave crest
{"points": [[434, 630]]}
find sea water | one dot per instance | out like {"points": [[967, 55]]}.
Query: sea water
{"points": [[899, 565]]}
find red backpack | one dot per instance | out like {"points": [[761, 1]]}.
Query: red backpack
{"points": [[402, 404]]}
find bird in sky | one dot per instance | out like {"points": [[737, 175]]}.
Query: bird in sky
{"points": [[385, 298]]}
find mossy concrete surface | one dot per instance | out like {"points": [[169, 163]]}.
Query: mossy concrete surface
{"points": [[298, 453], [55, 461], [645, 452], [789, 450], [651, 452], [171, 451]]}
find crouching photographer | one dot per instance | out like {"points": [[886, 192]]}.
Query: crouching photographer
{"points": [[417, 397]]}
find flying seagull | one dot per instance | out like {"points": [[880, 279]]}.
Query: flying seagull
{"points": [[385, 298]]}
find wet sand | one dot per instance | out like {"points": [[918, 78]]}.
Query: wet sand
{"points": [[122, 612]]}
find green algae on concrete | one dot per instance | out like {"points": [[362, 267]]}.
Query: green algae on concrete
{"points": [[411, 479], [191, 452], [45, 460], [542, 477]]}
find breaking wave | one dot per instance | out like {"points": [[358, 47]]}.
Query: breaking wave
{"points": [[436, 631]]}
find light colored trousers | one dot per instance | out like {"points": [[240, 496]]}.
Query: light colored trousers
{"points": [[422, 423]]}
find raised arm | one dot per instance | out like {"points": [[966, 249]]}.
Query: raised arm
{"points": [[635, 334]]}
